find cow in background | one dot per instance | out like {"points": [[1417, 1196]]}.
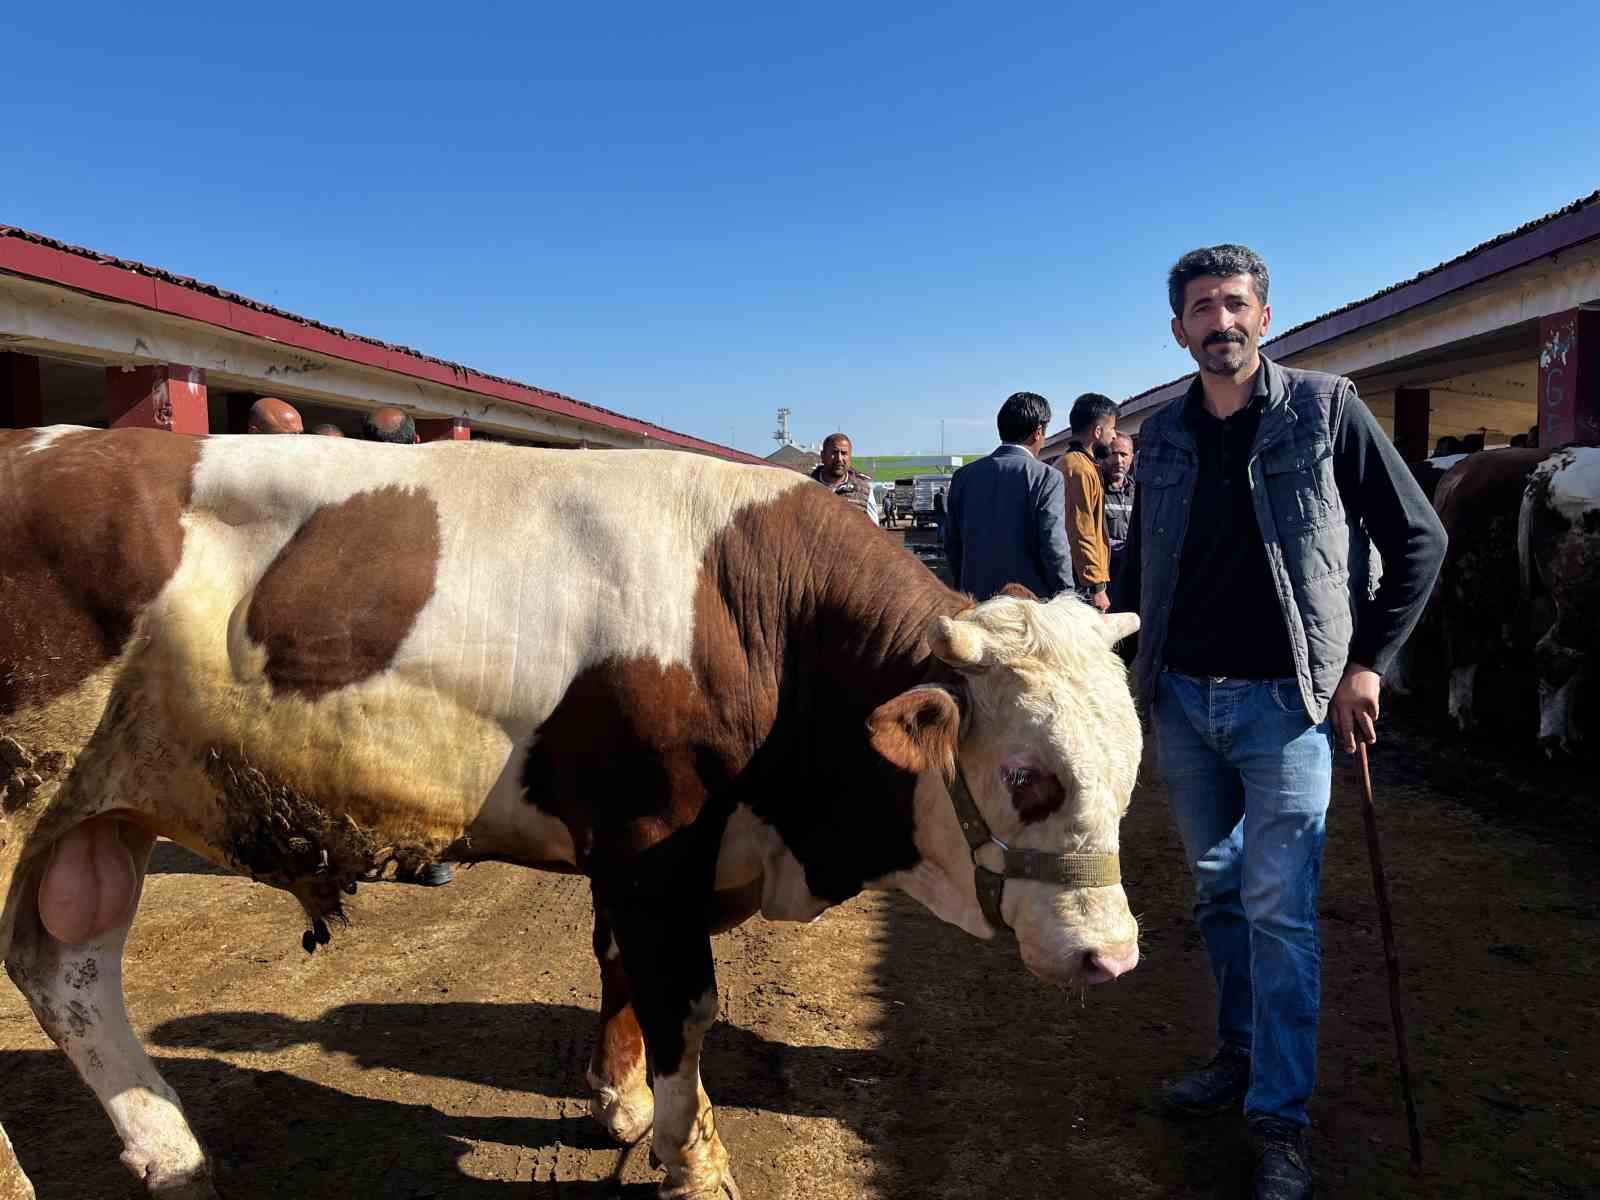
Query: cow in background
{"points": [[1475, 641], [1558, 549]]}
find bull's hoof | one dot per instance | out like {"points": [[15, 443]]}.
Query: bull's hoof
{"points": [[626, 1116], [724, 1189], [171, 1184]]}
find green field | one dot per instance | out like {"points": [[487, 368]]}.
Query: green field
{"points": [[888, 468]]}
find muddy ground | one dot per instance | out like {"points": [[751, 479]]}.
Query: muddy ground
{"points": [[436, 1049]]}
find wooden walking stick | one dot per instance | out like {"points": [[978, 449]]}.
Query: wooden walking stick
{"points": [[1380, 884]]}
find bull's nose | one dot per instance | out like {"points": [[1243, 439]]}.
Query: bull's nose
{"points": [[1108, 962]]}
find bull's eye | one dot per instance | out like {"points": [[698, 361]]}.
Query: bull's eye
{"points": [[1018, 778]]}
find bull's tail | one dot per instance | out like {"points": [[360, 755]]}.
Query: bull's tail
{"points": [[1527, 571]]}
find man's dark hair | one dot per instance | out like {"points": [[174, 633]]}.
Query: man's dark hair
{"points": [[1090, 409], [1021, 414], [402, 433], [836, 437], [1222, 261]]}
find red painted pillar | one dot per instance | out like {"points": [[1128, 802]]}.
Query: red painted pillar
{"points": [[21, 394], [166, 396], [1411, 423], [453, 429], [1569, 378]]}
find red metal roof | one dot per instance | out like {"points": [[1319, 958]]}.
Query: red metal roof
{"points": [[31, 254], [1566, 227]]}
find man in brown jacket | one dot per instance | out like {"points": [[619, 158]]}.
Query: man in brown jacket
{"points": [[1094, 424]]}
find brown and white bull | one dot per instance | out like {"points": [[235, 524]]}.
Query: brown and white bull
{"points": [[313, 661], [1558, 544]]}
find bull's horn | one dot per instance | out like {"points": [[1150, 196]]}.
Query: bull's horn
{"points": [[959, 643], [1118, 625]]}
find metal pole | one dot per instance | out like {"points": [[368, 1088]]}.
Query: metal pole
{"points": [[1380, 884]]}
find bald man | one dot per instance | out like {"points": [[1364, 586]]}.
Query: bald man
{"points": [[389, 425], [271, 415]]}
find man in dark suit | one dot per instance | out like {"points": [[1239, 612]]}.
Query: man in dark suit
{"points": [[1006, 513]]}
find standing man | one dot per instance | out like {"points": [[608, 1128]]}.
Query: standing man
{"points": [[834, 473], [1006, 514], [1094, 423], [1116, 474], [1247, 560]]}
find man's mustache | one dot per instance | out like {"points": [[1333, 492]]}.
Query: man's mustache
{"points": [[1232, 335]]}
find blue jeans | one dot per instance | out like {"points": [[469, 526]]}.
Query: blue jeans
{"points": [[1249, 776]]}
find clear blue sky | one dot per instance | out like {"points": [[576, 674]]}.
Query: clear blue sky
{"points": [[875, 214]]}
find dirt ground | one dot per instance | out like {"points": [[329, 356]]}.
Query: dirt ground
{"points": [[436, 1049]]}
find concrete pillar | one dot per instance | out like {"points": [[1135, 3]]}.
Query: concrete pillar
{"points": [[1411, 424], [166, 396], [21, 394], [455, 429], [1569, 378]]}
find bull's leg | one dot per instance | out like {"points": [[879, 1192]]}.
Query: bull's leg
{"points": [[667, 954], [75, 990], [1561, 678], [14, 1184], [1462, 684], [618, 1083]]}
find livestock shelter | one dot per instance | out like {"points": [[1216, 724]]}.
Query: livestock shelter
{"points": [[89, 339], [1499, 339]]}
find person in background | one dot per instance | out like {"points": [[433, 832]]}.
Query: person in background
{"points": [[389, 425], [1261, 492], [1094, 423], [271, 415], [1116, 474], [326, 430], [834, 473], [1006, 518]]}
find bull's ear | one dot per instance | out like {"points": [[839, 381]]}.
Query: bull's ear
{"points": [[918, 730], [1118, 625], [1018, 592], [960, 644]]}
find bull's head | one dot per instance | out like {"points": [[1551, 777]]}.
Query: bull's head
{"points": [[1042, 736]]}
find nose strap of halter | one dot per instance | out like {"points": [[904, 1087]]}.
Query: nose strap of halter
{"points": [[1067, 870]]}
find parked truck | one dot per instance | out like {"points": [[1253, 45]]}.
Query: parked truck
{"points": [[926, 487]]}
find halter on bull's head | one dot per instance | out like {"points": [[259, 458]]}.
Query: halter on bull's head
{"points": [[1026, 767]]}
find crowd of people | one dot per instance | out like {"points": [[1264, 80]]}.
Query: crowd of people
{"points": [[1243, 546]]}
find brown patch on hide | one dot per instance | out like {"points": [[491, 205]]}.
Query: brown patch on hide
{"points": [[90, 532], [1018, 592], [806, 619], [340, 598]]}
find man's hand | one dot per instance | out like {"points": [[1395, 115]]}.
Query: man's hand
{"points": [[1101, 600], [1354, 707]]}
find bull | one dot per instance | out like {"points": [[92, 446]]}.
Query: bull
{"points": [[315, 661]]}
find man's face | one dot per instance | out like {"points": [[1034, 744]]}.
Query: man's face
{"points": [[1100, 436], [1119, 461], [1222, 324], [836, 458]]}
